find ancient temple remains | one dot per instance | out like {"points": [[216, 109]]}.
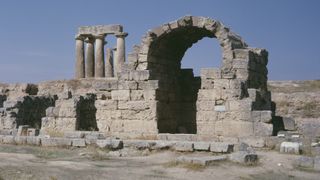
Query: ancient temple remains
{"points": [[94, 38], [150, 94]]}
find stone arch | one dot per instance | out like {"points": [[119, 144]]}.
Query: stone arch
{"points": [[188, 104], [176, 37]]}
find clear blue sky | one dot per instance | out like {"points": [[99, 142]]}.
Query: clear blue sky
{"points": [[37, 36]]}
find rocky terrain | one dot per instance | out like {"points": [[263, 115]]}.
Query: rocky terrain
{"points": [[299, 100]]}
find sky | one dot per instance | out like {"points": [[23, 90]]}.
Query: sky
{"points": [[37, 36]]}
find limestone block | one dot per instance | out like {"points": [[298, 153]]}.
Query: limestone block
{"points": [[8, 140], [73, 134], [207, 95], [210, 73], [205, 128], [289, 123], [239, 128], [201, 146], [207, 84], [242, 54], [137, 95], [106, 104], [67, 112], [204, 161], [70, 103], [176, 137], [32, 140], [139, 144], [141, 75], [134, 105], [235, 115], [161, 145], [257, 142], [65, 95], [205, 105], [240, 105], [148, 85], [127, 85], [221, 83], [244, 157], [20, 139], [94, 135], [78, 143], [221, 147], [100, 29], [184, 146], [290, 147], [240, 63], [65, 124], [110, 144], [150, 95], [262, 116], [220, 108], [105, 85], [11, 104], [242, 74], [207, 116], [52, 142], [236, 83], [263, 129], [123, 95]]}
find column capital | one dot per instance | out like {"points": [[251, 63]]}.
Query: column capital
{"points": [[100, 36], [121, 34], [89, 40], [80, 37]]}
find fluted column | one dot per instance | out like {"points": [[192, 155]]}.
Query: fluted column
{"points": [[99, 54], [120, 53], [90, 57], [109, 63], [80, 66]]}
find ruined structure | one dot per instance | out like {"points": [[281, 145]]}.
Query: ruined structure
{"points": [[150, 93]]}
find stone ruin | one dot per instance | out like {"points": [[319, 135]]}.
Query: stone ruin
{"points": [[149, 94]]}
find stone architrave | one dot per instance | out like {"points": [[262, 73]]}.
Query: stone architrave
{"points": [[109, 63], [80, 64], [99, 56], [90, 57], [120, 53]]}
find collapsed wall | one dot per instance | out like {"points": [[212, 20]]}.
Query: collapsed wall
{"points": [[151, 94]]}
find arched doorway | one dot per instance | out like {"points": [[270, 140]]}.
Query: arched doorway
{"points": [[212, 103]]}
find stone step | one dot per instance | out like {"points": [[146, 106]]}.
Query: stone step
{"points": [[177, 137]]}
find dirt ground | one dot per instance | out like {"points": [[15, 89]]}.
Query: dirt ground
{"points": [[27, 162]]}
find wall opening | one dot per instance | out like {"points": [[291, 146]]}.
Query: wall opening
{"points": [[177, 108], [86, 114], [32, 109]]}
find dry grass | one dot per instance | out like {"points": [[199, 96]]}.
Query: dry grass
{"points": [[189, 166], [97, 154], [309, 109]]}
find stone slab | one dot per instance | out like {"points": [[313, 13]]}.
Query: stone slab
{"points": [[244, 157], [184, 146], [8, 140], [201, 146], [290, 147], [78, 143], [205, 160], [56, 142], [100, 29], [221, 147]]}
